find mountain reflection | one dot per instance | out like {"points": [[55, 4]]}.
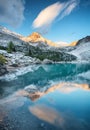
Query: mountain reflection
{"points": [[62, 87], [62, 113], [34, 93]]}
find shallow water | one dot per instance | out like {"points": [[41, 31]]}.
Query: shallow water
{"points": [[50, 97]]}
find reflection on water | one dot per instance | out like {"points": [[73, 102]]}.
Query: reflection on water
{"points": [[37, 93], [62, 87], [63, 120], [45, 75], [2, 113], [47, 114], [57, 96]]}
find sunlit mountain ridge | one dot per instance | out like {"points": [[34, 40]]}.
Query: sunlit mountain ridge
{"points": [[36, 46]]}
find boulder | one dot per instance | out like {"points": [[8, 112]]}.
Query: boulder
{"points": [[3, 69], [47, 61]]}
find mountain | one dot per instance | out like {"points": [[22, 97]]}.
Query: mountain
{"points": [[20, 51], [82, 49], [34, 46], [6, 36], [41, 48], [73, 43], [6, 31], [83, 40], [34, 38], [37, 38]]}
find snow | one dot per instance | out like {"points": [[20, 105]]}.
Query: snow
{"points": [[82, 52], [5, 30]]}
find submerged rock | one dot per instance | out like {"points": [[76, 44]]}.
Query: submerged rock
{"points": [[3, 69]]}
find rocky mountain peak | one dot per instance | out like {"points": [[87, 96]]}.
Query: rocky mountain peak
{"points": [[35, 35], [84, 40]]}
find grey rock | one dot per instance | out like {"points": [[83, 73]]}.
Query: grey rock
{"points": [[3, 69], [46, 61]]}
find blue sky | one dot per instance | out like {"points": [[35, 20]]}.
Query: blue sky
{"points": [[57, 20]]}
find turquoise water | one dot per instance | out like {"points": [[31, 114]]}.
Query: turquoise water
{"points": [[50, 97]]}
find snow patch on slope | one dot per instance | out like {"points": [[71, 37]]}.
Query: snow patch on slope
{"points": [[6, 31], [82, 52]]}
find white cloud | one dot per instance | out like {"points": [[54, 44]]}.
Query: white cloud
{"points": [[12, 12], [69, 7], [47, 16]]}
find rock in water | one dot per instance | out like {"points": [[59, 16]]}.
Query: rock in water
{"points": [[3, 69]]}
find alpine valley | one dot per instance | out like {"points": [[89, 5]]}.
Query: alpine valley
{"points": [[17, 51]]}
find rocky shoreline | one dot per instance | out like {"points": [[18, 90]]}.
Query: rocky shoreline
{"points": [[3, 69], [18, 63], [18, 60]]}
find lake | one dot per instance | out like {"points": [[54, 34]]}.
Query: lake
{"points": [[48, 97]]}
